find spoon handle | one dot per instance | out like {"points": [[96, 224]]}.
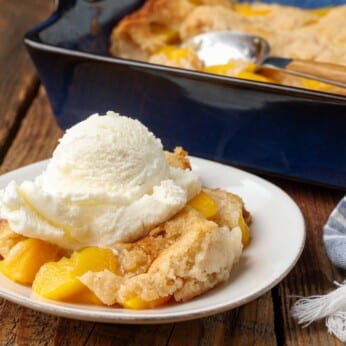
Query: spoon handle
{"points": [[323, 72]]}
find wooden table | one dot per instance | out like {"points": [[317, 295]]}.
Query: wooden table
{"points": [[28, 133]]}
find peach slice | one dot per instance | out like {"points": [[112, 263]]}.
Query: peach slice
{"points": [[59, 280], [25, 259], [137, 303], [245, 231], [204, 204]]}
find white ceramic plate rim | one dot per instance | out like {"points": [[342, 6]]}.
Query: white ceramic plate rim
{"points": [[278, 238]]}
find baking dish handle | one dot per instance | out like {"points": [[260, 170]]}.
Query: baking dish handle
{"points": [[324, 72]]}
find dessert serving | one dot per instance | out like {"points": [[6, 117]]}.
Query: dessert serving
{"points": [[156, 32], [115, 220]]}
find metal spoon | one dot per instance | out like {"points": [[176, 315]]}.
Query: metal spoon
{"points": [[219, 47]]}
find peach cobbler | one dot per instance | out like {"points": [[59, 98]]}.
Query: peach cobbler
{"points": [[115, 220], [155, 32]]}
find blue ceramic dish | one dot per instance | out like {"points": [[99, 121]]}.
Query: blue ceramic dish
{"points": [[280, 130]]}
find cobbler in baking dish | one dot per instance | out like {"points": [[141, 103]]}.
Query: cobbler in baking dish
{"points": [[155, 32]]}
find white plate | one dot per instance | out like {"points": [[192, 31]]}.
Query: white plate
{"points": [[278, 236]]}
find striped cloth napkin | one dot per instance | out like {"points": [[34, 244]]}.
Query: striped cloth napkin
{"points": [[331, 306], [334, 235]]}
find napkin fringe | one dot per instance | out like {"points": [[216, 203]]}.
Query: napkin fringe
{"points": [[331, 306]]}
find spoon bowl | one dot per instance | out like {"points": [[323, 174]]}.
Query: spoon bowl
{"points": [[219, 47]]}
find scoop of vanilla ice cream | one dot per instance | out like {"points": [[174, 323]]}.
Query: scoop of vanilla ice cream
{"points": [[108, 181], [112, 155]]}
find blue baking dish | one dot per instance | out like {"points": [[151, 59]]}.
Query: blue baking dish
{"points": [[268, 128]]}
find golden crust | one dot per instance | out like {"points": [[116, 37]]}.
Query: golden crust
{"points": [[210, 18], [136, 257], [178, 158], [291, 32], [153, 26], [137, 35], [230, 206], [183, 257], [201, 258], [8, 238]]}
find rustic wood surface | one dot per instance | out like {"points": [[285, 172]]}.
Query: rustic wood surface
{"points": [[28, 133]]}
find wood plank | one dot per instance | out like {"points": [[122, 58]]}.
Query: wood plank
{"points": [[35, 328], [250, 324], [314, 273], [18, 78], [255, 324], [119, 335], [71, 332], [37, 137], [9, 317]]}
